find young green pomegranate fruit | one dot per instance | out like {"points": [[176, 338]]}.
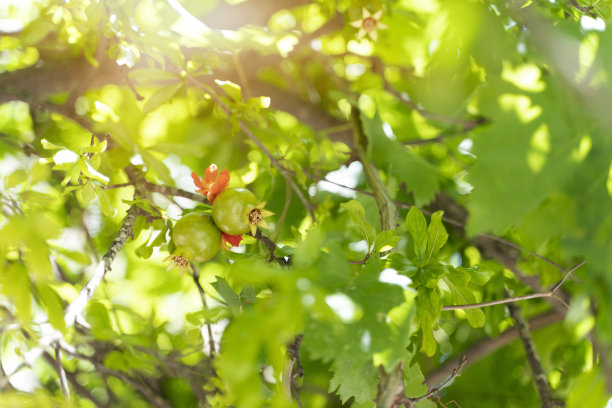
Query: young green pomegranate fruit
{"points": [[236, 211], [196, 238]]}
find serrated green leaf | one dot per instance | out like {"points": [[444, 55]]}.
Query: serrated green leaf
{"points": [[386, 240], [414, 381], [417, 226], [227, 293], [457, 282], [357, 214], [436, 236], [428, 315], [160, 97], [248, 295], [354, 378]]}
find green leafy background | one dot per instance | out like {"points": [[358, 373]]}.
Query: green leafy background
{"points": [[486, 124]]}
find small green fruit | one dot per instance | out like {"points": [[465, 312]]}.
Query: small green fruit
{"points": [[231, 208], [196, 237]]}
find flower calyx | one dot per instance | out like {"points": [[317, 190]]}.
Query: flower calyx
{"points": [[256, 215], [369, 24], [180, 262]]}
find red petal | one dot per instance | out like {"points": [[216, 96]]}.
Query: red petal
{"points": [[210, 174], [232, 239], [198, 182], [222, 182]]}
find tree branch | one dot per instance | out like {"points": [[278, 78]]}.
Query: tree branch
{"points": [[271, 246], [104, 265], [532, 357]]}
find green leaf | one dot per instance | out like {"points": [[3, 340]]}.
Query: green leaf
{"points": [[436, 236], [97, 316], [417, 226], [90, 172], [457, 282], [354, 378], [420, 176], [160, 169], [308, 250], [248, 295], [160, 97], [88, 192], [401, 264], [414, 381], [588, 391], [428, 315], [52, 304], [478, 275], [105, 204], [210, 315], [386, 240], [231, 89], [50, 146], [15, 285], [96, 148], [357, 214], [228, 294]]}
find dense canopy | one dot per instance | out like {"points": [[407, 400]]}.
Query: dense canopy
{"points": [[426, 220]]}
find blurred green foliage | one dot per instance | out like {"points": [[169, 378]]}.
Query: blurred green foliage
{"points": [[478, 117]]}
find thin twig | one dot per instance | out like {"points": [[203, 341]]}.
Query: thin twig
{"points": [[112, 186], [59, 367], [196, 280], [532, 357], [566, 275], [173, 191], [550, 293], [444, 135]]}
